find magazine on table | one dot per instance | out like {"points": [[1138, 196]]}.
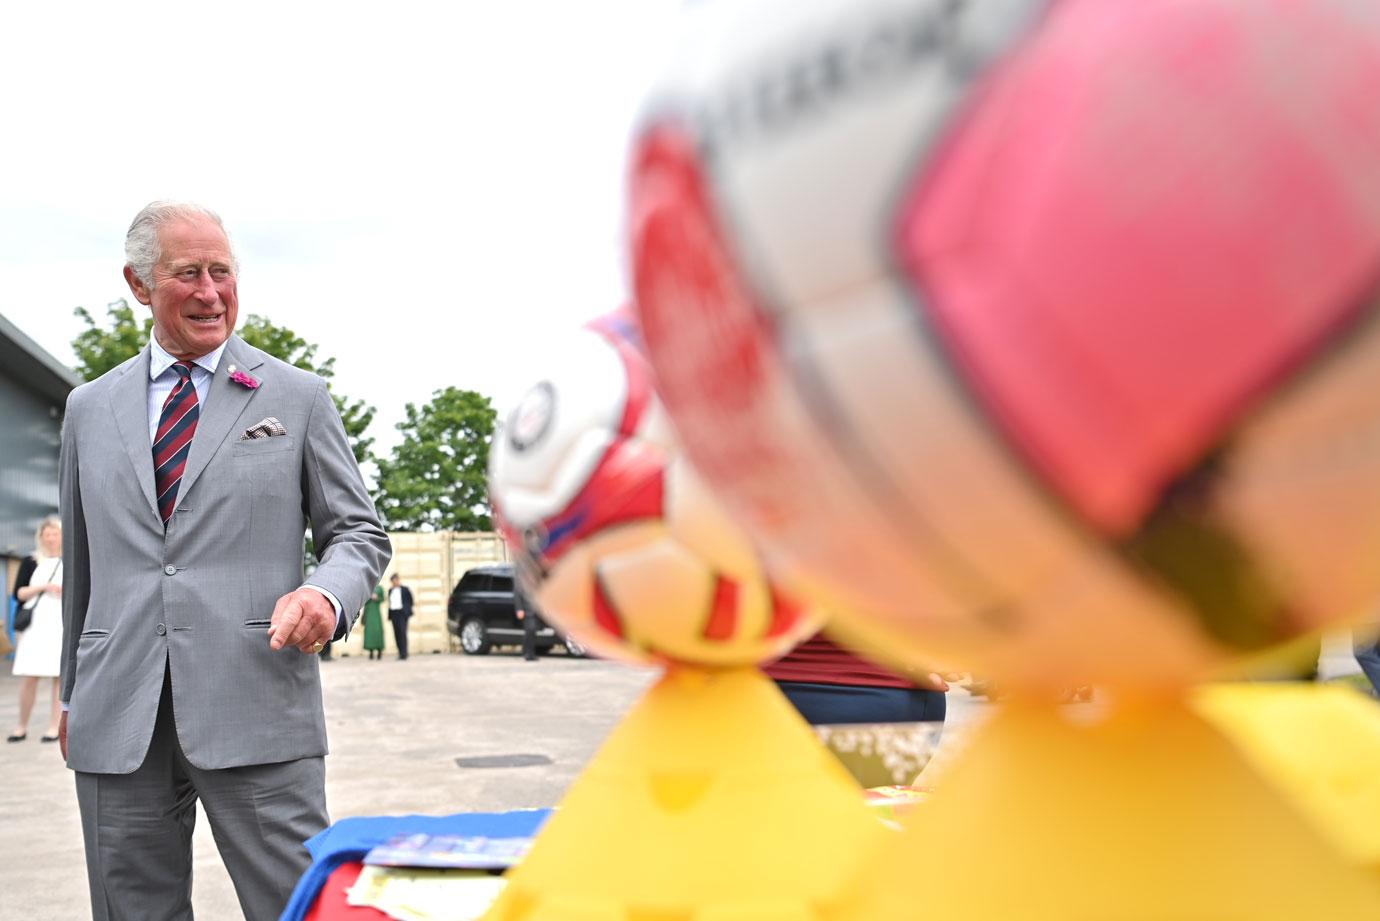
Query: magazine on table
{"points": [[469, 852]]}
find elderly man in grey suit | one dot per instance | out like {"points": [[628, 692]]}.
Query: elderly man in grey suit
{"points": [[189, 476]]}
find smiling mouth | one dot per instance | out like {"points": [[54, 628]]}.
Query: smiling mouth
{"points": [[205, 318]]}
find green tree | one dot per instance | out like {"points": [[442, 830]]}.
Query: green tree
{"points": [[283, 343], [436, 478], [102, 347], [99, 349]]}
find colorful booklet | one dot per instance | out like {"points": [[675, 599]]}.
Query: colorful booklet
{"points": [[469, 852]]}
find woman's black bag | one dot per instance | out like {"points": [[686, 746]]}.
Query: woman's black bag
{"points": [[25, 615]]}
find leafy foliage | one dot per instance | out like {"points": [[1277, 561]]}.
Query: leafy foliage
{"points": [[100, 348], [357, 416], [435, 479], [283, 343]]}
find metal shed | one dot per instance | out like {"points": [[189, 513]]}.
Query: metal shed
{"points": [[33, 394]]}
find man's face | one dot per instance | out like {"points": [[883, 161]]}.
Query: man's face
{"points": [[194, 299]]}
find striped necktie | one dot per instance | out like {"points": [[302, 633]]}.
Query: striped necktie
{"points": [[176, 426]]}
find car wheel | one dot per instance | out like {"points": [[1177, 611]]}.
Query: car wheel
{"points": [[573, 648], [474, 638]]}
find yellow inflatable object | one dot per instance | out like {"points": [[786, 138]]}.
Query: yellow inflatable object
{"points": [[712, 801], [1149, 813], [1319, 745]]}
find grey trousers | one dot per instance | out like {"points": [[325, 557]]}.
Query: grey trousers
{"points": [[138, 830]]}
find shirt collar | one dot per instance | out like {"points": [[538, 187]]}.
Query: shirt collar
{"points": [[160, 361]]}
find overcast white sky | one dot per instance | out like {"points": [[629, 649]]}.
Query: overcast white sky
{"points": [[414, 186]]}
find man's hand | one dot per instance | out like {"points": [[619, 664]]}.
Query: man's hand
{"points": [[54, 589], [62, 735], [302, 618]]}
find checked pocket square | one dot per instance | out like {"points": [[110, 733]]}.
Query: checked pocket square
{"points": [[267, 427]]}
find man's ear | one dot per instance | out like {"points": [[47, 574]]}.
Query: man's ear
{"points": [[141, 292]]}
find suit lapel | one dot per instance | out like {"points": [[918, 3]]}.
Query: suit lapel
{"points": [[129, 403], [225, 401]]}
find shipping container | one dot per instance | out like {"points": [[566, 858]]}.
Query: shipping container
{"points": [[430, 563]]}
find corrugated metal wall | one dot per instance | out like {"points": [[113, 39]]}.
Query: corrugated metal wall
{"points": [[430, 564], [30, 433]]}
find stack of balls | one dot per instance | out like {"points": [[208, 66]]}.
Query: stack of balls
{"points": [[614, 533]]}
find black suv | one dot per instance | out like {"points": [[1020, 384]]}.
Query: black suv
{"points": [[483, 613]]}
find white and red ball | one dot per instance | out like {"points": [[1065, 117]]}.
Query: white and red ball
{"points": [[1042, 336], [613, 532]]}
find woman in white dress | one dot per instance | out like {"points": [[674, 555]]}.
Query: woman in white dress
{"points": [[38, 586]]}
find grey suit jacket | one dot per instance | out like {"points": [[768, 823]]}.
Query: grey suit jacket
{"points": [[199, 596]]}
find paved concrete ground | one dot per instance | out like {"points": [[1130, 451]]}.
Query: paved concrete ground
{"points": [[396, 729]]}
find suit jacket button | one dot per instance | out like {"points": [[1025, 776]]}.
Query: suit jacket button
{"points": [[162, 630], [170, 569]]}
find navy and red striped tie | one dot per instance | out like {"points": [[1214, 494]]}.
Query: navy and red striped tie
{"points": [[176, 426]]}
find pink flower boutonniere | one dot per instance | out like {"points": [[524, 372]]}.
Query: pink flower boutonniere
{"points": [[244, 380]]}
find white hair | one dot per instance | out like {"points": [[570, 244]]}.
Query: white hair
{"points": [[52, 521], [142, 246]]}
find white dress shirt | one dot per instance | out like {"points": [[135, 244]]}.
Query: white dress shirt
{"points": [[162, 380]]}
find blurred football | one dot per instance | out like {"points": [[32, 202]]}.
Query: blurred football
{"points": [[613, 532], [1040, 336]]}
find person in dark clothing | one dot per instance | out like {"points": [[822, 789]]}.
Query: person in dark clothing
{"points": [[528, 616], [1366, 647], [399, 610]]}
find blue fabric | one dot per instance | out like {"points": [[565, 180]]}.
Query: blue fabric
{"points": [[351, 839]]}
